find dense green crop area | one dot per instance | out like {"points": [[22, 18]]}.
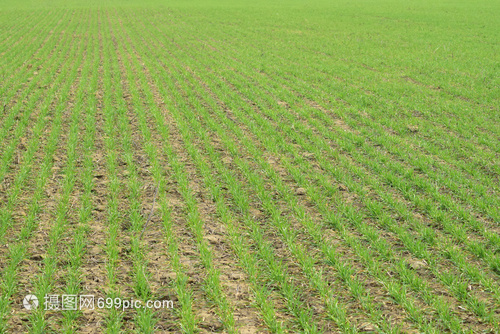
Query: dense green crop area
{"points": [[267, 166]]}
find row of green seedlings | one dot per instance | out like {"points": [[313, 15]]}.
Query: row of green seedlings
{"points": [[26, 159], [24, 21], [76, 250], [491, 236], [144, 318], [16, 74], [476, 245], [262, 295], [250, 263], [312, 227], [184, 294], [18, 250], [306, 86], [188, 321], [293, 295], [280, 275], [380, 136], [212, 283], [114, 317], [15, 80], [383, 132]]}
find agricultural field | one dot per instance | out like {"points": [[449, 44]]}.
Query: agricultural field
{"points": [[250, 166]]}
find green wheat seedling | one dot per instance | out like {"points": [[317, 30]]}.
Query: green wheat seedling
{"points": [[188, 321], [288, 235], [492, 236], [45, 285], [384, 132], [114, 317], [347, 152], [462, 238], [372, 124], [302, 74], [33, 102], [490, 284]]}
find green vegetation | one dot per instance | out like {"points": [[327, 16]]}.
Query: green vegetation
{"points": [[281, 167]]}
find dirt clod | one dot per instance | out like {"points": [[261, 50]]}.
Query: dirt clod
{"points": [[301, 191]]}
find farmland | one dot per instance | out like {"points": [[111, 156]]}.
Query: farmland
{"points": [[266, 167]]}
